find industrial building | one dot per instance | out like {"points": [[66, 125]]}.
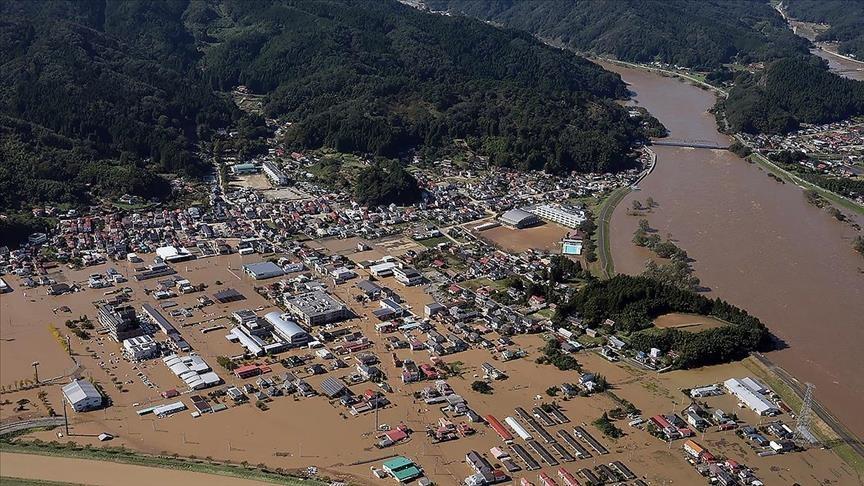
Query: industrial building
{"points": [[227, 296], [193, 370], [169, 409], [276, 175], [140, 348], [172, 254], [333, 388], [263, 270], [749, 393], [518, 218], [157, 319], [82, 396], [316, 308], [407, 276], [287, 329], [562, 214], [120, 321], [370, 289]]}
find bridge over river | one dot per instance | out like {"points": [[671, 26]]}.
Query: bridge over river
{"points": [[702, 144]]}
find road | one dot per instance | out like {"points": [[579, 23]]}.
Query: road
{"points": [[12, 427], [603, 219], [669, 72], [830, 196]]}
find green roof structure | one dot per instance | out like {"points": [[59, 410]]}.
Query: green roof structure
{"points": [[402, 468]]}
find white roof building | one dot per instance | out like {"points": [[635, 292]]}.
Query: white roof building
{"points": [[382, 269], [751, 398], [193, 370], [140, 348], [562, 214], [82, 396], [287, 329]]}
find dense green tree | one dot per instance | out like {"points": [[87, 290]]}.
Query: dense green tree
{"points": [[845, 17], [694, 33], [384, 183], [790, 92], [382, 78], [634, 302]]}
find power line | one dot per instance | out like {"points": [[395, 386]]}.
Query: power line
{"points": [[802, 426]]}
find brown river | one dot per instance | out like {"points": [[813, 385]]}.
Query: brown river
{"points": [[756, 243]]}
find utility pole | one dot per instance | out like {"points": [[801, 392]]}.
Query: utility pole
{"points": [[36, 371], [65, 417]]}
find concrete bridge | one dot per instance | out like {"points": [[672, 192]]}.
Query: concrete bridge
{"points": [[702, 144]]}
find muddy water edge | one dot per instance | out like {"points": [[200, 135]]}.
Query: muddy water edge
{"points": [[756, 242]]}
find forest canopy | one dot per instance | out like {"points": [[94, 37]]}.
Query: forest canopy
{"points": [[790, 92], [693, 33], [634, 302], [133, 86], [382, 78], [845, 19]]}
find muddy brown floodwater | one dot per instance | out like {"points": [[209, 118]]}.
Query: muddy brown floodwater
{"points": [[756, 243]]}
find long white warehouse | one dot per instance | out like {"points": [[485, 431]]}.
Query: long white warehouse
{"points": [[751, 398], [517, 427]]}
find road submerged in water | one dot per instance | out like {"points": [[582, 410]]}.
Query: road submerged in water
{"points": [[756, 242]]}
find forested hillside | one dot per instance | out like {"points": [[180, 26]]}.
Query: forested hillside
{"points": [[693, 33], [83, 106], [381, 77], [790, 92], [128, 88], [846, 18]]}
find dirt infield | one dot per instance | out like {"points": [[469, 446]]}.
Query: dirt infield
{"points": [[543, 237]]}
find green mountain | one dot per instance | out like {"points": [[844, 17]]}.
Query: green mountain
{"points": [[845, 17], [693, 33], [132, 86], [380, 77], [789, 92]]}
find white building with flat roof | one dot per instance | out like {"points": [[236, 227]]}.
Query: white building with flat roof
{"points": [[407, 276], [562, 214], [140, 348], [316, 308], [382, 269], [276, 175], [750, 397]]}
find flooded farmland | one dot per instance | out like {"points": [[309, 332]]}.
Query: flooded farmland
{"points": [[756, 243]]}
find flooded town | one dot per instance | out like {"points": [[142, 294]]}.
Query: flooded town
{"points": [[279, 295], [292, 314]]}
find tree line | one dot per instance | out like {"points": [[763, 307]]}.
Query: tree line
{"points": [[790, 92], [634, 302], [694, 33]]}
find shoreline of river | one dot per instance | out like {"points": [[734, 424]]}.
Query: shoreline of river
{"points": [[756, 242]]}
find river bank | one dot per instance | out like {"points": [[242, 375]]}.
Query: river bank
{"points": [[756, 243]]}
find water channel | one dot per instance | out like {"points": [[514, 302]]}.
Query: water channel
{"points": [[756, 242]]}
